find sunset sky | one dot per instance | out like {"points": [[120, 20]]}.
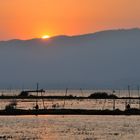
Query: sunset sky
{"points": [[25, 19]]}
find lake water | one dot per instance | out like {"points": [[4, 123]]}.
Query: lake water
{"points": [[70, 127]]}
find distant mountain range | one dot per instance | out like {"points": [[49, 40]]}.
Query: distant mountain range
{"points": [[103, 59]]}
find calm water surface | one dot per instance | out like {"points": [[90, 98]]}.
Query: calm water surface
{"points": [[70, 127]]}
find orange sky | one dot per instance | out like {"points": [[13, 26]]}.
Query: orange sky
{"points": [[26, 19]]}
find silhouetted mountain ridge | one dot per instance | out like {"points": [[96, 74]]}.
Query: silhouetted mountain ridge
{"points": [[103, 59]]}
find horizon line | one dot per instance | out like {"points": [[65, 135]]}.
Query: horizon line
{"points": [[117, 29]]}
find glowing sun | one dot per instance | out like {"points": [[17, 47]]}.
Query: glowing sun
{"points": [[45, 37]]}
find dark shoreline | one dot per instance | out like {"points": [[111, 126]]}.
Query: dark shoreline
{"points": [[17, 112], [61, 97]]}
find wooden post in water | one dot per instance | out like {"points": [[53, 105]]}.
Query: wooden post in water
{"points": [[113, 104], [139, 96], [81, 92], [129, 94], [128, 105], [42, 100], [65, 96], [37, 107]]}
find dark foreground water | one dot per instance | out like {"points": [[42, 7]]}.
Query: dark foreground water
{"points": [[70, 128]]}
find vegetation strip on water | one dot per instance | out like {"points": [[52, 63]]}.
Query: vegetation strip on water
{"points": [[11, 109]]}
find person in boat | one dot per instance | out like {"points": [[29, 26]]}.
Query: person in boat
{"points": [[127, 106], [37, 107]]}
